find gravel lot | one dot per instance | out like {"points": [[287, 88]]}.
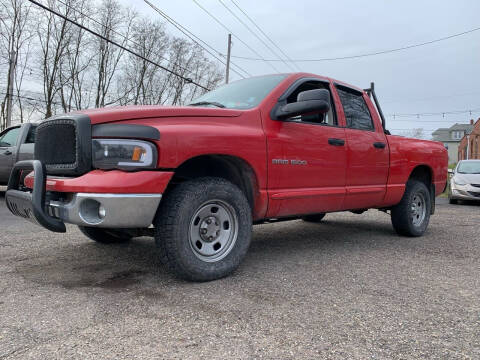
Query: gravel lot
{"points": [[346, 288]]}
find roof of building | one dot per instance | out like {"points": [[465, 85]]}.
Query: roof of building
{"points": [[443, 134], [467, 127]]}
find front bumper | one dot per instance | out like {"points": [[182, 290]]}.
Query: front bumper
{"points": [[464, 192], [108, 210]]}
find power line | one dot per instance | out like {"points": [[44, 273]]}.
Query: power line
{"points": [[367, 54], [187, 80], [239, 39], [264, 34], [255, 34], [452, 112], [194, 38], [29, 98], [124, 37]]}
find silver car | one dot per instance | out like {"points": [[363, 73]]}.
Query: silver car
{"points": [[465, 181]]}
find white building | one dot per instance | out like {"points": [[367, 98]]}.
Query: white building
{"points": [[451, 138]]}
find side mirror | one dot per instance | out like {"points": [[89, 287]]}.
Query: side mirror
{"points": [[308, 102], [450, 171]]}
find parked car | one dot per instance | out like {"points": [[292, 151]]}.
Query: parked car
{"points": [[16, 144], [465, 181], [263, 149]]}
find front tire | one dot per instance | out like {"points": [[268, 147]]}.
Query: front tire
{"points": [[411, 216], [203, 229], [105, 236], [453, 201]]}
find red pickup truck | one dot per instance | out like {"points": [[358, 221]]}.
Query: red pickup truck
{"points": [[197, 177]]}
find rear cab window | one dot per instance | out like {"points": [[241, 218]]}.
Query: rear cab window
{"points": [[357, 115], [31, 135]]}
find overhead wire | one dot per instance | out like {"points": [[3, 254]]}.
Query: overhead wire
{"points": [[264, 34], [125, 37], [237, 37], [196, 39], [255, 34], [366, 54]]}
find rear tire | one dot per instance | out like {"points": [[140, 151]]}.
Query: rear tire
{"points": [[203, 229], [411, 216], [314, 218], [105, 236]]}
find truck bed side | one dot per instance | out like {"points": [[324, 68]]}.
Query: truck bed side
{"points": [[405, 156]]}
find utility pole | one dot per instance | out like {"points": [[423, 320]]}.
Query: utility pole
{"points": [[468, 147], [11, 72], [229, 49]]}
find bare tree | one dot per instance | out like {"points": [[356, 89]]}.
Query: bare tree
{"points": [[79, 70], [15, 37], [417, 133], [113, 19], [139, 80], [75, 88], [54, 36]]}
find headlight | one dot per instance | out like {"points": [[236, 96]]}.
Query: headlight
{"points": [[123, 154], [458, 181]]}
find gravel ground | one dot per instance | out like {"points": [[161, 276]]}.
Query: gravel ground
{"points": [[346, 288]]}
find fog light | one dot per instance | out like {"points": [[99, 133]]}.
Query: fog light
{"points": [[102, 212], [91, 212]]}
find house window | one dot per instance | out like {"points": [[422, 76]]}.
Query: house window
{"points": [[457, 135]]}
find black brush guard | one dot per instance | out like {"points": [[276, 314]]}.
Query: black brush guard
{"points": [[31, 205]]}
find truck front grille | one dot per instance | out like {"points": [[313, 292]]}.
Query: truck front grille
{"points": [[64, 145]]}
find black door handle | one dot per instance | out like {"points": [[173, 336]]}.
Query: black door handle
{"points": [[8, 152], [336, 142], [379, 145]]}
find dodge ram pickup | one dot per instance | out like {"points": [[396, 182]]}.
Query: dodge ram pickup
{"points": [[197, 177]]}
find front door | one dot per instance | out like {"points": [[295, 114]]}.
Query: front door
{"points": [[8, 142], [306, 161]]}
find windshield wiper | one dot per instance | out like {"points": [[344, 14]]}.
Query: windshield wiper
{"points": [[214, 103]]}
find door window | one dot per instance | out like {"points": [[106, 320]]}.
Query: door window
{"points": [[9, 138], [322, 119], [356, 111]]}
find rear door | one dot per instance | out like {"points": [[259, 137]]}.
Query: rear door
{"points": [[367, 151], [8, 143], [306, 159]]}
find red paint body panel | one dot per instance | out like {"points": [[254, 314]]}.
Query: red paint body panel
{"points": [[113, 182], [353, 176]]}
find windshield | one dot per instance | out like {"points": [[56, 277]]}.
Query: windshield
{"points": [[469, 167], [241, 94]]}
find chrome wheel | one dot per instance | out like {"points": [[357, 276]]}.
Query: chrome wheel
{"points": [[213, 231], [418, 209]]}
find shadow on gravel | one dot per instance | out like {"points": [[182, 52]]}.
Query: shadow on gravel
{"points": [[90, 265], [136, 265], [471, 203]]}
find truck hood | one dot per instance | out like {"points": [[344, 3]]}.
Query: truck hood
{"points": [[123, 113]]}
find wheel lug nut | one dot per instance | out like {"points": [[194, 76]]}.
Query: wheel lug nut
{"points": [[204, 231], [210, 238], [209, 221]]}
